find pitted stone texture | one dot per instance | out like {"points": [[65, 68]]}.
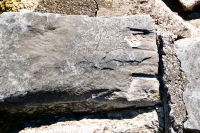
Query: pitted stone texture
{"points": [[75, 7], [187, 51], [58, 63], [174, 82], [146, 122]]}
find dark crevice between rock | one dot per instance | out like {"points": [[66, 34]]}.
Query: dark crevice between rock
{"points": [[184, 83], [170, 93], [176, 6], [142, 75], [143, 31], [163, 91], [97, 6], [130, 61], [10, 123], [191, 15], [190, 131], [179, 37], [14, 126]]}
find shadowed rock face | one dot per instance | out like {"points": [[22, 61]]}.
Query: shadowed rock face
{"points": [[137, 122], [189, 5], [187, 51], [54, 63]]}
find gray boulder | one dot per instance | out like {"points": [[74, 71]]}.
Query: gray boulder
{"points": [[52, 63], [187, 51]]}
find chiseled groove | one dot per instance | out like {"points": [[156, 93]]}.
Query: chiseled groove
{"points": [[144, 31], [142, 75]]}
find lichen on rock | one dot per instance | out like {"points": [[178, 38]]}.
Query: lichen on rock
{"points": [[9, 5]]}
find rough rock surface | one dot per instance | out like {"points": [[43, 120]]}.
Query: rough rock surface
{"points": [[75, 7], [187, 51], [157, 9], [151, 120], [54, 63], [173, 83], [169, 27], [138, 122], [189, 5]]}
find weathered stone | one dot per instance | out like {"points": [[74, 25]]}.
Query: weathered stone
{"points": [[187, 51], [147, 122], [173, 83], [157, 9], [123, 7], [28, 5], [151, 121], [170, 27], [54, 63], [76, 7], [189, 5]]}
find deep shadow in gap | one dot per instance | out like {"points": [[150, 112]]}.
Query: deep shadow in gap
{"points": [[16, 125]]}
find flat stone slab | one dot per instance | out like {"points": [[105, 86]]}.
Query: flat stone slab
{"points": [[52, 63], [187, 51]]}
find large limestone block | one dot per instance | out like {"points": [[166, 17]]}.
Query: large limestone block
{"points": [[52, 63], [188, 53], [146, 122]]}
